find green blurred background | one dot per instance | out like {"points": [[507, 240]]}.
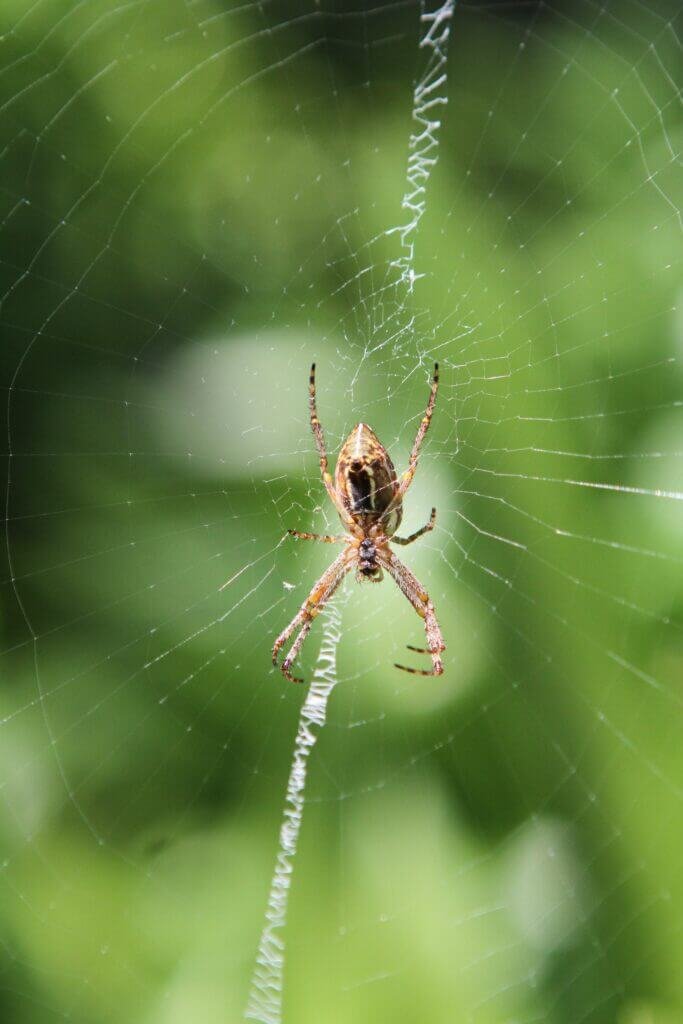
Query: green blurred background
{"points": [[197, 201]]}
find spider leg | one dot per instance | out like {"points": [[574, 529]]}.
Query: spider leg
{"points": [[312, 606], [418, 533], [325, 538], [317, 429], [407, 477], [409, 585], [295, 648]]}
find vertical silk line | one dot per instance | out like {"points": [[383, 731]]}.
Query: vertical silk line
{"points": [[265, 992], [429, 95]]}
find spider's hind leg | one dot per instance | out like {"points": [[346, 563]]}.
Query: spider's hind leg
{"points": [[407, 477], [317, 429]]}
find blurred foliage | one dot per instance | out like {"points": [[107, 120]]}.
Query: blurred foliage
{"points": [[196, 200]]}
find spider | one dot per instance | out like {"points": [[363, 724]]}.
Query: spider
{"points": [[369, 499]]}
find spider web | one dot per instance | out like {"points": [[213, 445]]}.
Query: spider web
{"points": [[198, 200]]}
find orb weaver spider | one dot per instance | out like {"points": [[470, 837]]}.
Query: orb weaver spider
{"points": [[369, 499]]}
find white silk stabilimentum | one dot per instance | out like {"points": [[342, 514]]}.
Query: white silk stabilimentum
{"points": [[265, 993], [428, 95]]}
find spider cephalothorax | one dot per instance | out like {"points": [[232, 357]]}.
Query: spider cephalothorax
{"points": [[369, 499], [368, 567]]}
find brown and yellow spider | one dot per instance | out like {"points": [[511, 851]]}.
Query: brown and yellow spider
{"points": [[369, 499]]}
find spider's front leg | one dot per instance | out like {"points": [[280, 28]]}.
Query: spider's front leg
{"points": [[312, 606], [409, 585]]}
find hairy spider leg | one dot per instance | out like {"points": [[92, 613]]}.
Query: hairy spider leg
{"points": [[312, 606], [418, 533], [407, 477], [419, 598], [325, 538], [317, 429]]}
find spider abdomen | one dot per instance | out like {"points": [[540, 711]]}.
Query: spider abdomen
{"points": [[366, 480]]}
